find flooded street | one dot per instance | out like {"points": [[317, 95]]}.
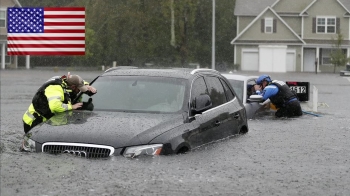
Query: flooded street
{"points": [[298, 156]]}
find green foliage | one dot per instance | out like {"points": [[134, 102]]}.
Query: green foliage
{"points": [[135, 32], [338, 55]]}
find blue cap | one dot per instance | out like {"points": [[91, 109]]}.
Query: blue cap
{"points": [[262, 78]]}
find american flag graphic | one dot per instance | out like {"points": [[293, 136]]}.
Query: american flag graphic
{"points": [[46, 31]]}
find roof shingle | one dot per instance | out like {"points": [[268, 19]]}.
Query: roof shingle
{"points": [[251, 7]]}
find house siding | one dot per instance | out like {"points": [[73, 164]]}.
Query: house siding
{"points": [[244, 22], [298, 53], [298, 56], [239, 49], [294, 23], [3, 37], [254, 32], [7, 3], [3, 6], [298, 15], [325, 8]]}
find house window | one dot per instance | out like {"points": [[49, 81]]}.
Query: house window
{"points": [[8, 59], [326, 25], [268, 25], [2, 18], [326, 56]]}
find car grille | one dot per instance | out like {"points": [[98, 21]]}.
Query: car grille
{"points": [[77, 149]]}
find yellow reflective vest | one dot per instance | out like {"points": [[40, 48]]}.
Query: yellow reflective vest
{"points": [[50, 99]]}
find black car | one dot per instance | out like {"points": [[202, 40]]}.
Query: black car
{"points": [[144, 112]]}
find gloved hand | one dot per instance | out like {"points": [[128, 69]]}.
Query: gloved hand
{"points": [[90, 93], [264, 106], [267, 101], [87, 105]]}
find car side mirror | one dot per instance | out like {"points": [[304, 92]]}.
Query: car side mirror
{"points": [[202, 103], [256, 98], [87, 105]]}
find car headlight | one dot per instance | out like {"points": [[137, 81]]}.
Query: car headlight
{"points": [[28, 144], [153, 149]]}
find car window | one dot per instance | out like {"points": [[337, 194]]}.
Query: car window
{"points": [[237, 86], [228, 92], [250, 87], [138, 93], [216, 90], [198, 88]]}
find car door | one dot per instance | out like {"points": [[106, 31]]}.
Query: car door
{"points": [[251, 107], [201, 123], [218, 117], [234, 106]]}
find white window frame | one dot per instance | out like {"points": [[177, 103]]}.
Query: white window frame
{"points": [[268, 25], [326, 24], [3, 19]]}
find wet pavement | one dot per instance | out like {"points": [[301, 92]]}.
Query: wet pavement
{"points": [[308, 155]]}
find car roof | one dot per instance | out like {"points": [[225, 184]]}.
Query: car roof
{"points": [[185, 73], [239, 77]]}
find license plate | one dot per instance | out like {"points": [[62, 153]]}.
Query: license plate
{"points": [[298, 89]]}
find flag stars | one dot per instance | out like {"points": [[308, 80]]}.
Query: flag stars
{"points": [[25, 20]]}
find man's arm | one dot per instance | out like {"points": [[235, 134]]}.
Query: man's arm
{"points": [[269, 91], [55, 98]]}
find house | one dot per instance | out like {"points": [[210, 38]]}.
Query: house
{"points": [[6, 61], [289, 35]]}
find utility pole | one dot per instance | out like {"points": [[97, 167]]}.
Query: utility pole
{"points": [[213, 39]]}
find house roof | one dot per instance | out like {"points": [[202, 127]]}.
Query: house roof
{"points": [[345, 4], [298, 40], [252, 7], [17, 3], [345, 43], [285, 7]]}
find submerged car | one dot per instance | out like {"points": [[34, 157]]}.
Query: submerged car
{"points": [[144, 112], [242, 86]]}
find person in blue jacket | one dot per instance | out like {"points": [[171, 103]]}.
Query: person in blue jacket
{"points": [[279, 94]]}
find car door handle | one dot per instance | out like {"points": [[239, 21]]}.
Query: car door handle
{"points": [[217, 123], [236, 115]]}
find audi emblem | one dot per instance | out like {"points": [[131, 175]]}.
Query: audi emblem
{"points": [[76, 152]]}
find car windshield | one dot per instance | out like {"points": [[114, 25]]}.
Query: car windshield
{"points": [[138, 94], [238, 87]]}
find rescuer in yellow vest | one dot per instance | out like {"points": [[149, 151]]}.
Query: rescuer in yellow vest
{"points": [[52, 97]]}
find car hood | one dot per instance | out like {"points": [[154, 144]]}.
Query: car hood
{"points": [[117, 129]]}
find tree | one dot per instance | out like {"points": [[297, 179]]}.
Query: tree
{"points": [[134, 32], [338, 55]]}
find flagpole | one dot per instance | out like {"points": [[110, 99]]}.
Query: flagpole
{"points": [[213, 39]]}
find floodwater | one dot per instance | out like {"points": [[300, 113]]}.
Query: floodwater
{"points": [[296, 156]]}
